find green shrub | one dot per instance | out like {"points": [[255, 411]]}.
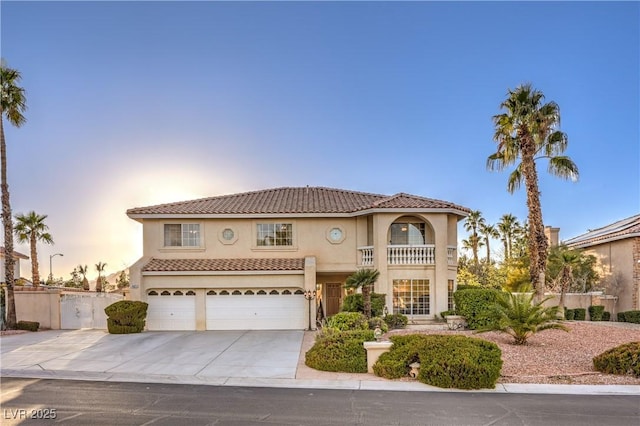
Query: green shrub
{"points": [[378, 322], [621, 317], [340, 351], [632, 316], [354, 303], [126, 316], [606, 316], [444, 314], [395, 321], [345, 321], [569, 314], [623, 359], [445, 361], [475, 305], [595, 313], [28, 325], [579, 314]]}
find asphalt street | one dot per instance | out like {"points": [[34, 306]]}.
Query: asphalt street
{"points": [[43, 401]]}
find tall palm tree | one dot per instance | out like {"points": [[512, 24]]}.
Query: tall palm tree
{"points": [[507, 227], [528, 131], [100, 268], [83, 271], [488, 231], [364, 279], [31, 228], [12, 105], [471, 224]]}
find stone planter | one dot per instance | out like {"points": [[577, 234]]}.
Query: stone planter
{"points": [[374, 350], [456, 322]]}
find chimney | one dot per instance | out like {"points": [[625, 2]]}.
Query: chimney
{"points": [[552, 235]]}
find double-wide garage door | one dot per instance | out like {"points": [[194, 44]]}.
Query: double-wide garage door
{"points": [[247, 309]]}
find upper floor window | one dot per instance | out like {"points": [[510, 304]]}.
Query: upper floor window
{"points": [[274, 234], [182, 235], [407, 233]]}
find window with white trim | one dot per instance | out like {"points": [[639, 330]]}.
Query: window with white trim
{"points": [[182, 235], [411, 297], [274, 234]]}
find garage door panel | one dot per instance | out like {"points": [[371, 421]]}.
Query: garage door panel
{"points": [[256, 312], [171, 313]]}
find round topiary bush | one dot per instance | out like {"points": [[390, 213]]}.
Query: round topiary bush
{"points": [[446, 361], [340, 351], [126, 316], [623, 359]]}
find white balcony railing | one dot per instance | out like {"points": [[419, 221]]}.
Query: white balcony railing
{"points": [[451, 255], [424, 254], [367, 255]]}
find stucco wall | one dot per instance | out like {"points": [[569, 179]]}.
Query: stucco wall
{"points": [[617, 261], [39, 305]]}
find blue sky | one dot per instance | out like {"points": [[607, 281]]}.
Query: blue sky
{"points": [[138, 103]]}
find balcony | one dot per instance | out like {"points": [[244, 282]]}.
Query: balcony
{"points": [[424, 254]]}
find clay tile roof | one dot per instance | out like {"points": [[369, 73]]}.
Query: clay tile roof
{"points": [[212, 265], [625, 228], [16, 254], [299, 200]]}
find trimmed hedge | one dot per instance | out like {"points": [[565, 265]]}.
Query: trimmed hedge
{"points": [[623, 359], [354, 303], [126, 316], [595, 313], [579, 314], [396, 321], [340, 351], [28, 325], [345, 321], [475, 304], [606, 316], [569, 314], [629, 316], [446, 361]]}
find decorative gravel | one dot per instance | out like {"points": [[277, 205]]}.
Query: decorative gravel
{"points": [[556, 356]]}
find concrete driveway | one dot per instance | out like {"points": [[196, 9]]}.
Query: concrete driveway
{"points": [[203, 355]]}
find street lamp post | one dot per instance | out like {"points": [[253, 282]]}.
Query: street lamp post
{"points": [[51, 264], [309, 295]]}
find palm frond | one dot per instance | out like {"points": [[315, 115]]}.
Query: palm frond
{"points": [[515, 180], [563, 167]]}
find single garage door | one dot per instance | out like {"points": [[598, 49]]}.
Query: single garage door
{"points": [[256, 309], [171, 310]]}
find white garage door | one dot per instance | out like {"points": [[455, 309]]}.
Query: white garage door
{"points": [[256, 310], [171, 310]]}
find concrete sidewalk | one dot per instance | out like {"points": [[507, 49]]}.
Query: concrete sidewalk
{"points": [[220, 358]]}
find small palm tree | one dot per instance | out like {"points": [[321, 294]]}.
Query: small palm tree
{"points": [[12, 104], [568, 260], [508, 228], [100, 268], [488, 231], [364, 279], [517, 315], [83, 271], [31, 228], [471, 224]]}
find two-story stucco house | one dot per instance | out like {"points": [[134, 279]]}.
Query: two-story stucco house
{"points": [[245, 261]]}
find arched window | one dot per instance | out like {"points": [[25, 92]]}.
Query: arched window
{"points": [[153, 293]]}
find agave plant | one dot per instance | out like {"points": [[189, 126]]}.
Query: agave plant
{"points": [[517, 315]]}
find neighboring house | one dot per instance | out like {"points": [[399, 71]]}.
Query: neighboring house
{"points": [[245, 261], [617, 247], [16, 269]]}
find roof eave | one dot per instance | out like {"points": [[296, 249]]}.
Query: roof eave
{"points": [[589, 243]]}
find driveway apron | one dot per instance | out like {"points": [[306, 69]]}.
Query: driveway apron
{"points": [[200, 354]]}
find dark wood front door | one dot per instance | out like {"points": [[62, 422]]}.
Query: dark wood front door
{"points": [[334, 297]]}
